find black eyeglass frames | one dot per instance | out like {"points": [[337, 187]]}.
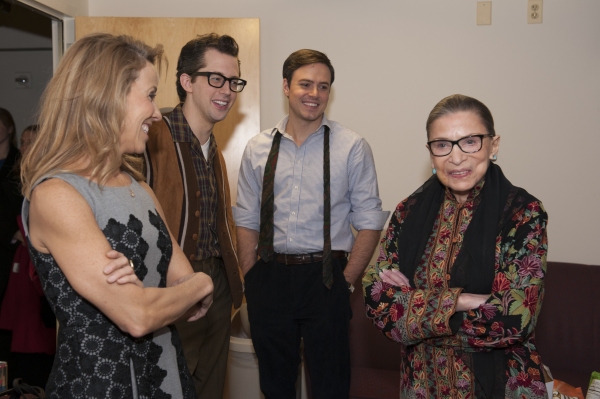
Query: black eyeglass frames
{"points": [[217, 80], [469, 145]]}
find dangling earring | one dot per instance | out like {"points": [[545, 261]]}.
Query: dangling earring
{"points": [[494, 158], [433, 171]]}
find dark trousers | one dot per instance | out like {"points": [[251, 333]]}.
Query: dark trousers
{"points": [[206, 341], [290, 302]]}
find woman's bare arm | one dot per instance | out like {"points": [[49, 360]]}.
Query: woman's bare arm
{"points": [[180, 269], [62, 223]]}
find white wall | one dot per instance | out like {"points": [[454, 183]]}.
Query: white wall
{"points": [[395, 59]]}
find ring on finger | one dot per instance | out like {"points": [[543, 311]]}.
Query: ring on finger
{"points": [[131, 264]]}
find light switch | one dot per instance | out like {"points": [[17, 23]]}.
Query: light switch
{"points": [[484, 13]]}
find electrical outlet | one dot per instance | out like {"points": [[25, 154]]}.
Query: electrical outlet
{"points": [[534, 11]]}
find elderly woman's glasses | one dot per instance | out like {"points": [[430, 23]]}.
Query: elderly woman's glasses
{"points": [[469, 145], [217, 80]]}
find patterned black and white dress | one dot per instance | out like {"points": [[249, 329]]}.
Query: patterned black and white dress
{"points": [[94, 358]]}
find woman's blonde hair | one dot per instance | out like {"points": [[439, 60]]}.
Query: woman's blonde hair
{"points": [[83, 110]]}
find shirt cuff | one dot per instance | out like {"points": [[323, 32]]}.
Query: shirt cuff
{"points": [[246, 218], [370, 220]]}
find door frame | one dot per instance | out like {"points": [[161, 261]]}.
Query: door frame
{"points": [[63, 28]]}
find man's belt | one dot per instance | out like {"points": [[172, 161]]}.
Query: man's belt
{"points": [[301, 259]]}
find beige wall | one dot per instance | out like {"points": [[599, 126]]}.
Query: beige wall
{"points": [[396, 58]]}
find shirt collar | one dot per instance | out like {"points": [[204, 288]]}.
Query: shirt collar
{"points": [[283, 123], [183, 133], [187, 136]]}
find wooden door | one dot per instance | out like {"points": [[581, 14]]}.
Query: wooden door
{"points": [[243, 120]]}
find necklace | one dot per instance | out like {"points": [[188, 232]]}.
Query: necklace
{"points": [[128, 186]]}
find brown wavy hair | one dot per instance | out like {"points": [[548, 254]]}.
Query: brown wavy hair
{"points": [[83, 110]]}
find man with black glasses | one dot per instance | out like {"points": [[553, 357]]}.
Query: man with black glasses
{"points": [[187, 172]]}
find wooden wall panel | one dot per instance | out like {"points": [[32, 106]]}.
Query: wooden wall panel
{"points": [[243, 120]]}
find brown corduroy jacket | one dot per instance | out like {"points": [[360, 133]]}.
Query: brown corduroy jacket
{"points": [[170, 172]]}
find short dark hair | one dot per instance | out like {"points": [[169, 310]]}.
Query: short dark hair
{"points": [[191, 57], [8, 121], [304, 57], [457, 103], [32, 128]]}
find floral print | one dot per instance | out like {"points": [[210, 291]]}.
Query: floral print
{"points": [[437, 342]]}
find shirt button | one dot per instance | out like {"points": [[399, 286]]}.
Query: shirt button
{"points": [[192, 257], [195, 237], [197, 194], [197, 214]]}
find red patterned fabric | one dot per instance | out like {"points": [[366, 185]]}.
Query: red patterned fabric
{"points": [[20, 310]]}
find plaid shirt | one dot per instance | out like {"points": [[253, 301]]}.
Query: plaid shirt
{"points": [[208, 244]]}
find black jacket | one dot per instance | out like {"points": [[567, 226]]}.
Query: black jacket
{"points": [[10, 207]]}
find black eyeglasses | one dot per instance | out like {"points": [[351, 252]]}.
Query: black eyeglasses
{"points": [[469, 145], [217, 80]]}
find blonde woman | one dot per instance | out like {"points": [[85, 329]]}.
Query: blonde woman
{"points": [[85, 197]]}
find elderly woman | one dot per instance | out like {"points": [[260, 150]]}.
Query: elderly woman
{"points": [[85, 197], [459, 280]]}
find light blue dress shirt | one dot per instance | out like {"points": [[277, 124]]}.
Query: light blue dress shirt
{"points": [[298, 189]]}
